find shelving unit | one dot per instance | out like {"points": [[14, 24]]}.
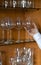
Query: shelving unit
{"points": [[22, 13]]}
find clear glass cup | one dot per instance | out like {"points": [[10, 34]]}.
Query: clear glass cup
{"points": [[22, 3], [28, 56], [24, 56], [18, 52], [18, 27], [15, 61], [11, 3], [7, 24], [30, 4], [6, 3], [10, 26], [14, 3], [2, 26], [19, 55], [28, 25], [24, 24], [0, 58]]}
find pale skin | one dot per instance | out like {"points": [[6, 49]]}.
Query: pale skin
{"points": [[33, 30]]}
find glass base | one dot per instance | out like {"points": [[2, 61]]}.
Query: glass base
{"points": [[9, 42], [19, 41], [1, 41]]}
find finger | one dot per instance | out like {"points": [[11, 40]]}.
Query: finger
{"points": [[34, 25], [30, 33], [25, 28]]}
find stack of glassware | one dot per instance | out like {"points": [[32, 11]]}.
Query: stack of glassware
{"points": [[9, 3], [19, 3], [24, 56]]}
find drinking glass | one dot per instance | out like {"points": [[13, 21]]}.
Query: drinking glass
{"points": [[22, 3], [17, 60], [21, 57], [7, 24], [2, 26], [18, 27], [30, 4], [0, 58], [14, 3], [13, 61], [10, 26], [24, 56], [24, 24], [28, 56], [28, 25], [19, 52], [11, 3], [6, 3]]}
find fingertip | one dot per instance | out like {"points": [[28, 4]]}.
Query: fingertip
{"points": [[34, 25]]}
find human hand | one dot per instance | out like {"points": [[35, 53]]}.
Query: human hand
{"points": [[31, 29]]}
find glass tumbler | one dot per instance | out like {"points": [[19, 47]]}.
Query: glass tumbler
{"points": [[14, 3], [22, 3], [30, 4]]}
